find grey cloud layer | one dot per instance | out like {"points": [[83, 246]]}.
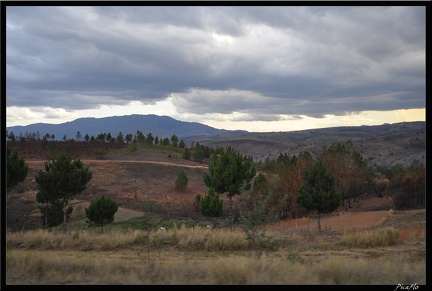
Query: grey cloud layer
{"points": [[261, 61]]}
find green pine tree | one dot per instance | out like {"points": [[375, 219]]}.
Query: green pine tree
{"points": [[211, 205], [231, 173], [101, 212], [62, 179], [187, 154], [181, 181], [318, 191], [16, 170]]}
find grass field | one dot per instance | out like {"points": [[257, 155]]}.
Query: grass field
{"points": [[199, 255]]}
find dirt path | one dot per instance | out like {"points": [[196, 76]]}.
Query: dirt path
{"points": [[151, 162], [130, 161]]}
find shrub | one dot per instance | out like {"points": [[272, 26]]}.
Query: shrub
{"points": [[101, 212], [211, 205], [181, 181], [100, 154]]}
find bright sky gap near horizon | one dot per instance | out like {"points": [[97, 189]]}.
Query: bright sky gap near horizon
{"points": [[261, 68]]}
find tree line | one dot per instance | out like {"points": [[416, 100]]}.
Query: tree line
{"points": [[195, 151], [138, 137]]}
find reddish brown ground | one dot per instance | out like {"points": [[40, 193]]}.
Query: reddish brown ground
{"points": [[129, 177]]}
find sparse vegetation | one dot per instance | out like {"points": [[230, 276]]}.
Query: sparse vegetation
{"points": [[258, 211], [170, 242]]}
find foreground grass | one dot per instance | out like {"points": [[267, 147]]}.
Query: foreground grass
{"points": [[205, 256]]}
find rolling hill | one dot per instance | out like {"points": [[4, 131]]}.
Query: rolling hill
{"points": [[388, 144]]}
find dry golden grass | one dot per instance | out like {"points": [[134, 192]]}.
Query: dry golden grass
{"points": [[204, 256], [380, 237]]}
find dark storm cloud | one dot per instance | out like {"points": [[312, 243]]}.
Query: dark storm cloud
{"points": [[259, 61]]}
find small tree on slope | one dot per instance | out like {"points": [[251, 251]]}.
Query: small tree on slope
{"points": [[318, 191], [210, 205], [101, 212], [181, 181]]}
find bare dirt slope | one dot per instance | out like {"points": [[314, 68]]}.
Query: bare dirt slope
{"points": [[148, 173]]}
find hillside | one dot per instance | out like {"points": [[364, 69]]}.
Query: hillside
{"points": [[124, 176], [387, 144], [129, 178], [149, 172]]}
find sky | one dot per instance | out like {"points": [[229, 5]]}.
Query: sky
{"points": [[255, 68]]}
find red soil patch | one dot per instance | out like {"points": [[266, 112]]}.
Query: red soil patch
{"points": [[412, 233], [345, 222], [150, 174]]}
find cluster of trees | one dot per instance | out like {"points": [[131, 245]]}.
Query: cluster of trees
{"points": [[61, 180], [303, 183], [263, 203], [290, 171], [198, 152], [342, 162], [353, 178], [407, 185]]}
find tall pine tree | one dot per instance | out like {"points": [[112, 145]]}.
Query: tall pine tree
{"points": [[62, 179], [318, 191], [231, 173]]}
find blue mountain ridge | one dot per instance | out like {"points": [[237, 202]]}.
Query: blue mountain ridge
{"points": [[161, 126]]}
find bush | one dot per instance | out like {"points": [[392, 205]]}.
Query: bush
{"points": [[181, 181], [101, 212], [211, 205], [16, 169], [100, 154]]}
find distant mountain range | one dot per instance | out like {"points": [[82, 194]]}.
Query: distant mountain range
{"points": [[387, 144], [161, 126]]}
